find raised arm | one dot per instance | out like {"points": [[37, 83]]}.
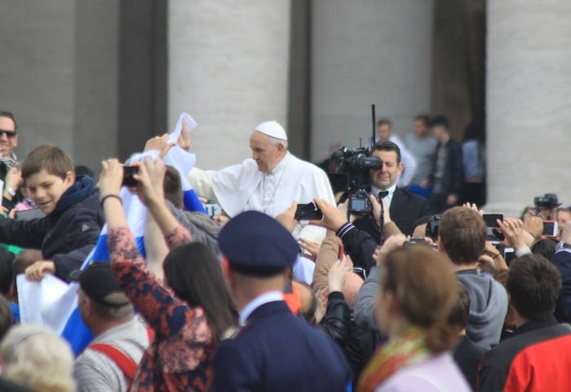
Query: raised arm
{"points": [[164, 312]]}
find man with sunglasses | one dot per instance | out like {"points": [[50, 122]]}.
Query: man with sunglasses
{"points": [[8, 135], [9, 169]]}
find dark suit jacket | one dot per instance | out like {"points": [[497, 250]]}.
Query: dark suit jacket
{"points": [[453, 176], [276, 351], [406, 209]]}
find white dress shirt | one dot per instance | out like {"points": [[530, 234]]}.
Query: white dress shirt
{"points": [[270, 296], [388, 198]]}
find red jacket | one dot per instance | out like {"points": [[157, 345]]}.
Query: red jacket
{"points": [[536, 358]]}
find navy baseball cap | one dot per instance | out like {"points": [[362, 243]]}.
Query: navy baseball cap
{"points": [[256, 244], [97, 281]]}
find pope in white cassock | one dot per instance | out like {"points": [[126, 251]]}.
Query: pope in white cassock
{"points": [[269, 182]]}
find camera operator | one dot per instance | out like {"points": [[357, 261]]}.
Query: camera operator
{"points": [[546, 206], [405, 207]]}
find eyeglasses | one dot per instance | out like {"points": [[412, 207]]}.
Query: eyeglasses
{"points": [[9, 134]]}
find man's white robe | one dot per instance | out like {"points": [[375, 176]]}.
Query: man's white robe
{"points": [[243, 187]]}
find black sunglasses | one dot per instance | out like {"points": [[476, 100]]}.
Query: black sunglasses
{"points": [[9, 134]]}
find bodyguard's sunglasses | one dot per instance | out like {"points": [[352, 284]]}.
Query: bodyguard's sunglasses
{"points": [[9, 134]]}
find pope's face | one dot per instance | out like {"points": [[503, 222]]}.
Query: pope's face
{"points": [[266, 154], [386, 176]]}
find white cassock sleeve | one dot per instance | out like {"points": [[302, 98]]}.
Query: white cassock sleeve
{"points": [[230, 187], [201, 183]]}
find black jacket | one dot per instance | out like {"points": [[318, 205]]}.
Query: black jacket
{"points": [[562, 260], [358, 345], [406, 208], [453, 176], [468, 356], [65, 236], [359, 245], [535, 358]]}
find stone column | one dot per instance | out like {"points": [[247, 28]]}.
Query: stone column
{"points": [[366, 52], [528, 102], [59, 73], [228, 68]]}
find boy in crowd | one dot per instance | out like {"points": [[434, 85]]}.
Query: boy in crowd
{"points": [[537, 356], [73, 218]]}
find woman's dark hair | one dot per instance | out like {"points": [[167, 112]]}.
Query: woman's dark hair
{"points": [[194, 274]]}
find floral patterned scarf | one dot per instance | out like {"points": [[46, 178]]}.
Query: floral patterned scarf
{"points": [[405, 350]]}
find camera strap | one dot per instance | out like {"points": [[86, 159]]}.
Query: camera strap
{"points": [[380, 197]]}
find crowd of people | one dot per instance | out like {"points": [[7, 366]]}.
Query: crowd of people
{"points": [[415, 294]]}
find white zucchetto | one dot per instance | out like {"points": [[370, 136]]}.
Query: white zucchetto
{"points": [[272, 129]]}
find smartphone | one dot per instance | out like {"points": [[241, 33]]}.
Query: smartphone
{"points": [[128, 179], [26, 215], [308, 211], [550, 228], [212, 208], [491, 219], [509, 255], [361, 272], [416, 241]]}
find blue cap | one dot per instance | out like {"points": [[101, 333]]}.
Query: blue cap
{"points": [[257, 244]]}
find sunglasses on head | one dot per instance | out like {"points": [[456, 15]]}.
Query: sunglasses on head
{"points": [[7, 133]]}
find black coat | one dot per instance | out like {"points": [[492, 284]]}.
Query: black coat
{"points": [[65, 236], [277, 351], [406, 208], [357, 344], [453, 176]]}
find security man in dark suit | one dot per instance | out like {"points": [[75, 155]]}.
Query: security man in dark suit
{"points": [[405, 207], [272, 350]]}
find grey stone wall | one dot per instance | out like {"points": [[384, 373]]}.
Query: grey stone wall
{"points": [[528, 101]]}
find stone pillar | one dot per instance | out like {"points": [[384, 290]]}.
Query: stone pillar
{"points": [[59, 73], [363, 53], [528, 102], [228, 68]]}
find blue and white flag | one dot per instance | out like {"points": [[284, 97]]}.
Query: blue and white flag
{"points": [[52, 302], [184, 161]]}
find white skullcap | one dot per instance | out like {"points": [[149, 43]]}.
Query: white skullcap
{"points": [[272, 129]]}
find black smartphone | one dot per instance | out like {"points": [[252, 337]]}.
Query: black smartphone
{"points": [[128, 179], [550, 228], [509, 255], [491, 219], [212, 208], [26, 215], [308, 211]]}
